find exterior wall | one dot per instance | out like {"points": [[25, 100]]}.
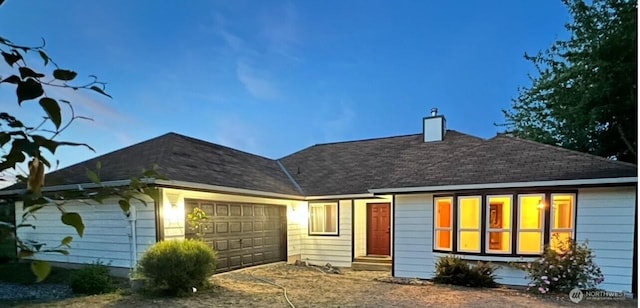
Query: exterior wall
{"points": [[413, 256], [173, 214], [107, 234], [320, 250], [606, 219]]}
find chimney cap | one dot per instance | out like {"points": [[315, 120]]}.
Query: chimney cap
{"points": [[434, 111]]}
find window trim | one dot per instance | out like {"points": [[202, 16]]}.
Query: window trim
{"points": [[337, 219], [488, 229], [459, 229], [450, 228]]}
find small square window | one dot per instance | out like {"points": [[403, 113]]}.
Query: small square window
{"points": [[323, 218]]}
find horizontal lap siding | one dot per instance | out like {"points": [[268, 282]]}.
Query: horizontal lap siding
{"points": [[413, 256], [320, 250], [606, 219], [106, 237]]}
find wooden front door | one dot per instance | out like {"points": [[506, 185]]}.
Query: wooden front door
{"points": [[378, 228]]}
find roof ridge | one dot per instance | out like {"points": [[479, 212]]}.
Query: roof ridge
{"points": [[561, 149], [209, 143]]}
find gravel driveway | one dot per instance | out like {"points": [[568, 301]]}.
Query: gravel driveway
{"points": [[308, 287]]}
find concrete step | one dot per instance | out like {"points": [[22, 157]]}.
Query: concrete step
{"points": [[366, 259], [368, 266]]}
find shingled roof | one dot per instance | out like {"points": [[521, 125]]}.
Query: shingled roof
{"points": [[182, 158], [351, 167]]}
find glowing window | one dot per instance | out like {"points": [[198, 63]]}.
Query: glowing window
{"points": [[498, 224], [442, 223], [323, 218], [469, 218], [562, 217], [530, 223]]}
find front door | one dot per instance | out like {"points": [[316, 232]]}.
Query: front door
{"points": [[378, 228]]}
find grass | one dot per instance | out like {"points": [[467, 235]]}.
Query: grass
{"points": [[20, 272]]}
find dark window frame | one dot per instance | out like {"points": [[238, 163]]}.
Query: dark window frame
{"points": [[514, 225]]}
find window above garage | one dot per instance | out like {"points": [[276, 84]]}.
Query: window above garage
{"points": [[323, 218], [508, 224]]}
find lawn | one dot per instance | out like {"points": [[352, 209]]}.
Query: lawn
{"points": [[308, 287]]}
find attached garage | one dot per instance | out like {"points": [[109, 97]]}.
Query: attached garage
{"points": [[242, 234]]}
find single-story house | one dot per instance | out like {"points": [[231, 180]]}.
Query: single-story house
{"points": [[399, 201]]}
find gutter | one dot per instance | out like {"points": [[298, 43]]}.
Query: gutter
{"points": [[622, 180], [224, 189], [82, 186], [346, 196]]}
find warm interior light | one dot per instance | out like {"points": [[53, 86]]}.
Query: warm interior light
{"points": [[541, 205]]}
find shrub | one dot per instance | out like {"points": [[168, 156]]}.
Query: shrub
{"points": [[92, 279], [456, 271], [178, 265], [560, 270]]}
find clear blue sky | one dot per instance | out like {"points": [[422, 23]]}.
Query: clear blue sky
{"points": [[273, 77]]}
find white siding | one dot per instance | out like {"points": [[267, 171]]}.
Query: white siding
{"points": [[360, 228], [606, 220], [174, 214], [336, 250], [413, 256], [107, 234]]}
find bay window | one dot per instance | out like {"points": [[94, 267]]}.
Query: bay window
{"points": [[508, 224]]}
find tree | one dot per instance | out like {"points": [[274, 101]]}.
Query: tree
{"points": [[21, 143], [584, 96]]}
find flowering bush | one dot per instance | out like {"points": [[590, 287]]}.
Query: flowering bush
{"points": [[568, 266]]}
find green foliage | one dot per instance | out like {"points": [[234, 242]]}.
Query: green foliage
{"points": [[20, 272], [584, 96], [176, 266], [456, 271], [570, 266], [197, 222], [92, 279]]}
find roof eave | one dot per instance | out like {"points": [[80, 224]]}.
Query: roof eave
{"points": [[225, 189], [579, 182]]}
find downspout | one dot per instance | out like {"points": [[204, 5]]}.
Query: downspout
{"points": [[134, 238]]}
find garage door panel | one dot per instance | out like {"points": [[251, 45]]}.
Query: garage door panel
{"points": [[222, 210], [247, 210], [222, 227], [235, 210], [247, 227], [221, 246], [258, 226]]}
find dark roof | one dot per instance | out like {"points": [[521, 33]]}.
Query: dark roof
{"points": [[407, 161], [351, 167], [182, 158]]}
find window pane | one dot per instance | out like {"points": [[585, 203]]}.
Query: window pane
{"points": [[469, 241], [443, 240], [317, 218], [500, 242], [560, 240], [531, 211], [499, 213], [562, 212], [530, 242], [331, 215], [443, 213], [469, 213]]}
